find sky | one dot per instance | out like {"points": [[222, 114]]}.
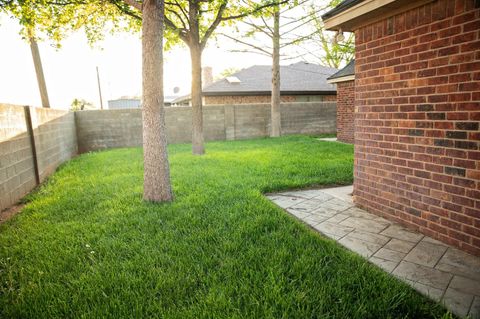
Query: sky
{"points": [[70, 72]]}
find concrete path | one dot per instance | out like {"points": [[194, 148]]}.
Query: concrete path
{"points": [[437, 270], [328, 139]]}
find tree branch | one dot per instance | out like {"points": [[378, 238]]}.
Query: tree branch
{"points": [[182, 33], [134, 4], [124, 8], [298, 40], [178, 16], [259, 8], [252, 52], [213, 26], [176, 4], [253, 25], [265, 23], [256, 47]]}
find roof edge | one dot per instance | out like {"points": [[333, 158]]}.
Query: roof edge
{"points": [[255, 93], [342, 6], [356, 13], [349, 69], [342, 79]]}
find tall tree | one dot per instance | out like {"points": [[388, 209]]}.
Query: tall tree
{"points": [[156, 181], [60, 17], [276, 118], [194, 22], [268, 28]]}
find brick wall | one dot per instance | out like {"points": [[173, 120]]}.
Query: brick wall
{"points": [[249, 99], [345, 111], [123, 128], [55, 141], [417, 157]]}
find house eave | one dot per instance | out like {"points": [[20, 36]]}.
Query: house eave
{"points": [[367, 12], [342, 79]]}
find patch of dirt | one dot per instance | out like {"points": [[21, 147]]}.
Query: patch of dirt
{"points": [[10, 212]]}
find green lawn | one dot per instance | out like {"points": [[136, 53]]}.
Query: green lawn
{"points": [[87, 246]]}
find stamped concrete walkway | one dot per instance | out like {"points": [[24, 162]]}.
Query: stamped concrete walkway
{"points": [[441, 272]]}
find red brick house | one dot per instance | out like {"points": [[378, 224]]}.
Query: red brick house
{"points": [[300, 82], [417, 113], [345, 81]]}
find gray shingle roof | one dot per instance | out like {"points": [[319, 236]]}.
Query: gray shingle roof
{"points": [[349, 69], [300, 77]]}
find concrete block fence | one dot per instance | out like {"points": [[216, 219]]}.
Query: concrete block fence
{"points": [[101, 129], [35, 141]]}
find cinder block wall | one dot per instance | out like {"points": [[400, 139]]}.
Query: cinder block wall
{"points": [[17, 177], [417, 157], [58, 134], [123, 128], [55, 138], [345, 111], [249, 99], [55, 141]]}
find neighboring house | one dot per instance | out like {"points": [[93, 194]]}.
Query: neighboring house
{"points": [[345, 81], [124, 103], [299, 82], [417, 113], [133, 103], [168, 100]]}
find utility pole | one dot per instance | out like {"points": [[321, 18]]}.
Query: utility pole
{"points": [[99, 89], [37, 62]]}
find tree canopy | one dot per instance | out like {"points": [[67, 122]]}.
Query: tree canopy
{"points": [[325, 47], [56, 19], [192, 22]]}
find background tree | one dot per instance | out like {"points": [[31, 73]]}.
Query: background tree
{"points": [[226, 72], [268, 28], [194, 22], [57, 19], [80, 105], [326, 47]]}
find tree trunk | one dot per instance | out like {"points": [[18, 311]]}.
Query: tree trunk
{"points": [[197, 113], [156, 176], [37, 62], [275, 110], [99, 89]]}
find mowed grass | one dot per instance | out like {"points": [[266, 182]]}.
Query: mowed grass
{"points": [[87, 246]]}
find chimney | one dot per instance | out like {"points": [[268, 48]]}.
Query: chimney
{"points": [[207, 76]]}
